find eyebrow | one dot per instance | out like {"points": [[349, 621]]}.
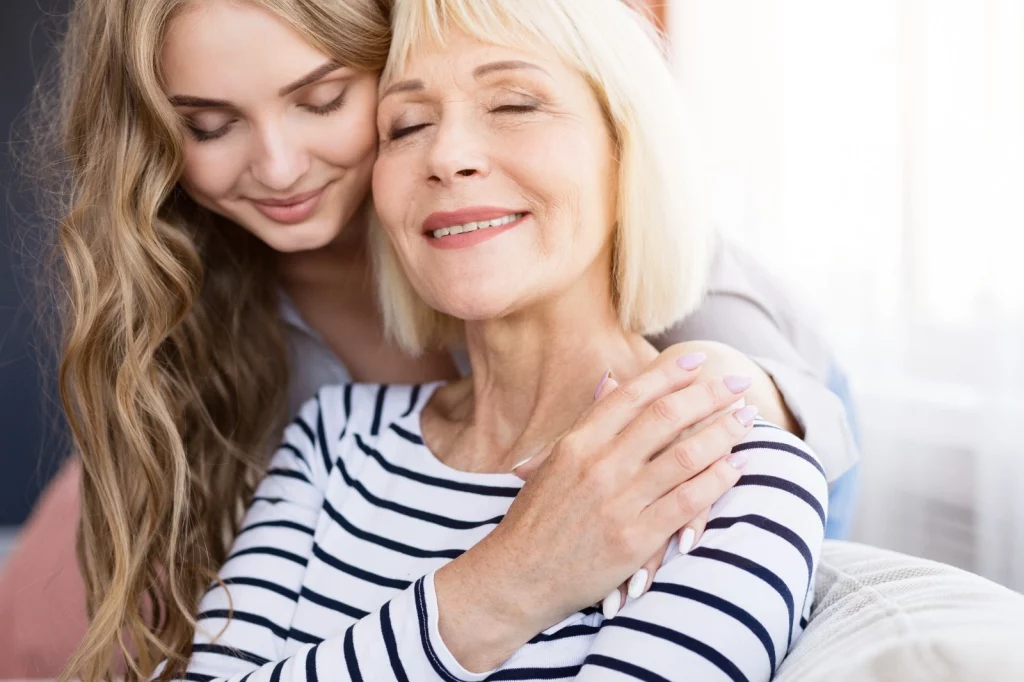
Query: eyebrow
{"points": [[479, 72], [311, 77]]}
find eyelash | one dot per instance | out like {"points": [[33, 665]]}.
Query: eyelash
{"points": [[326, 109], [398, 133]]}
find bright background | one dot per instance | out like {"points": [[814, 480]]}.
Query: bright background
{"points": [[873, 152]]}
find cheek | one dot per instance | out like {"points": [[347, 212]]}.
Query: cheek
{"points": [[390, 191], [211, 172]]}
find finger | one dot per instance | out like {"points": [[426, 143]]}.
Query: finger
{"points": [[692, 533], [528, 466], [642, 579], [682, 504], [672, 370], [613, 602], [660, 424], [685, 459]]}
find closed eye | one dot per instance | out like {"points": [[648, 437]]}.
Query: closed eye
{"points": [[328, 108], [514, 109], [398, 133]]}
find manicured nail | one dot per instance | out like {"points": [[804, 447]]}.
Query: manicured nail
{"points": [[610, 605], [637, 584], [746, 415], [738, 460], [686, 540], [691, 361], [521, 463], [607, 375], [737, 384]]}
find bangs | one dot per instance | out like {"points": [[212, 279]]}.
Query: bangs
{"points": [[540, 25]]}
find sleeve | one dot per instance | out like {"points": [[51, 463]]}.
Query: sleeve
{"points": [[731, 608], [245, 622], [738, 311]]}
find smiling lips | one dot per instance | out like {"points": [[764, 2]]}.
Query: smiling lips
{"points": [[469, 226], [291, 210]]}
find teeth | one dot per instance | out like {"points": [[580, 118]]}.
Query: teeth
{"points": [[479, 225]]}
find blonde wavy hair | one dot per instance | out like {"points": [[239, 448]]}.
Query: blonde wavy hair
{"points": [[663, 238], [173, 367]]}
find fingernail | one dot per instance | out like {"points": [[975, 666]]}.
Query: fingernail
{"points": [[637, 584], [691, 361], [610, 605], [738, 460], [521, 463], [686, 540], [607, 375], [745, 415], [737, 384]]}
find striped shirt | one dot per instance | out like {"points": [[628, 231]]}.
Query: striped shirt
{"points": [[331, 575]]}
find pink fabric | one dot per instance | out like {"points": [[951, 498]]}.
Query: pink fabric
{"points": [[42, 596]]}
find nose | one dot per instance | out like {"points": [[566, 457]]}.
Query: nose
{"points": [[278, 161], [458, 151]]}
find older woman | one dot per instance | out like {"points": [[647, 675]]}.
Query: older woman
{"points": [[527, 183]]}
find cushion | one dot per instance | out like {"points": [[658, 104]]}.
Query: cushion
{"points": [[880, 616]]}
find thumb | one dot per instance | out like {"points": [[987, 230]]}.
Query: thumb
{"points": [[528, 466]]}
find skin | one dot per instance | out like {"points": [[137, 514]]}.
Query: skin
{"points": [[258, 137], [470, 124]]}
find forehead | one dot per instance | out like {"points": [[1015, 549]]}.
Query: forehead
{"points": [[460, 59], [213, 42]]}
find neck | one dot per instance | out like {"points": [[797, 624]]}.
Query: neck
{"points": [[535, 372], [343, 265]]}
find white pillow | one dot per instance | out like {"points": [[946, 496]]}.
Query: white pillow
{"points": [[880, 616]]}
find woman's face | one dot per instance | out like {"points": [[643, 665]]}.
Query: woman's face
{"points": [[279, 139], [495, 178]]}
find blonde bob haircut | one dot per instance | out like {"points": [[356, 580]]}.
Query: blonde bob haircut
{"points": [[662, 240]]}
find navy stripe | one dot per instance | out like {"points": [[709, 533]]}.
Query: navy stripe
{"points": [[196, 677], [580, 630], [625, 668], [803, 623], [332, 604], [708, 653], [781, 447], [786, 486], [726, 607], [567, 672], [231, 652], [245, 617], [346, 397], [414, 396], [275, 676], [757, 570], [306, 428], [321, 436], [381, 541], [378, 410], [295, 451], [350, 657], [355, 572], [311, 675], [390, 644], [493, 491], [269, 551], [304, 637], [436, 519], [264, 584], [406, 435], [772, 527], [289, 473], [277, 524], [268, 500]]}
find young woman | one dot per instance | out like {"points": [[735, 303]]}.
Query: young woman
{"points": [[531, 183], [202, 281]]}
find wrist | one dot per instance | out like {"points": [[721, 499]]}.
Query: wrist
{"points": [[484, 615]]}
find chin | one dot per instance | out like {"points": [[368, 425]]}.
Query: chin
{"points": [[297, 238]]}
